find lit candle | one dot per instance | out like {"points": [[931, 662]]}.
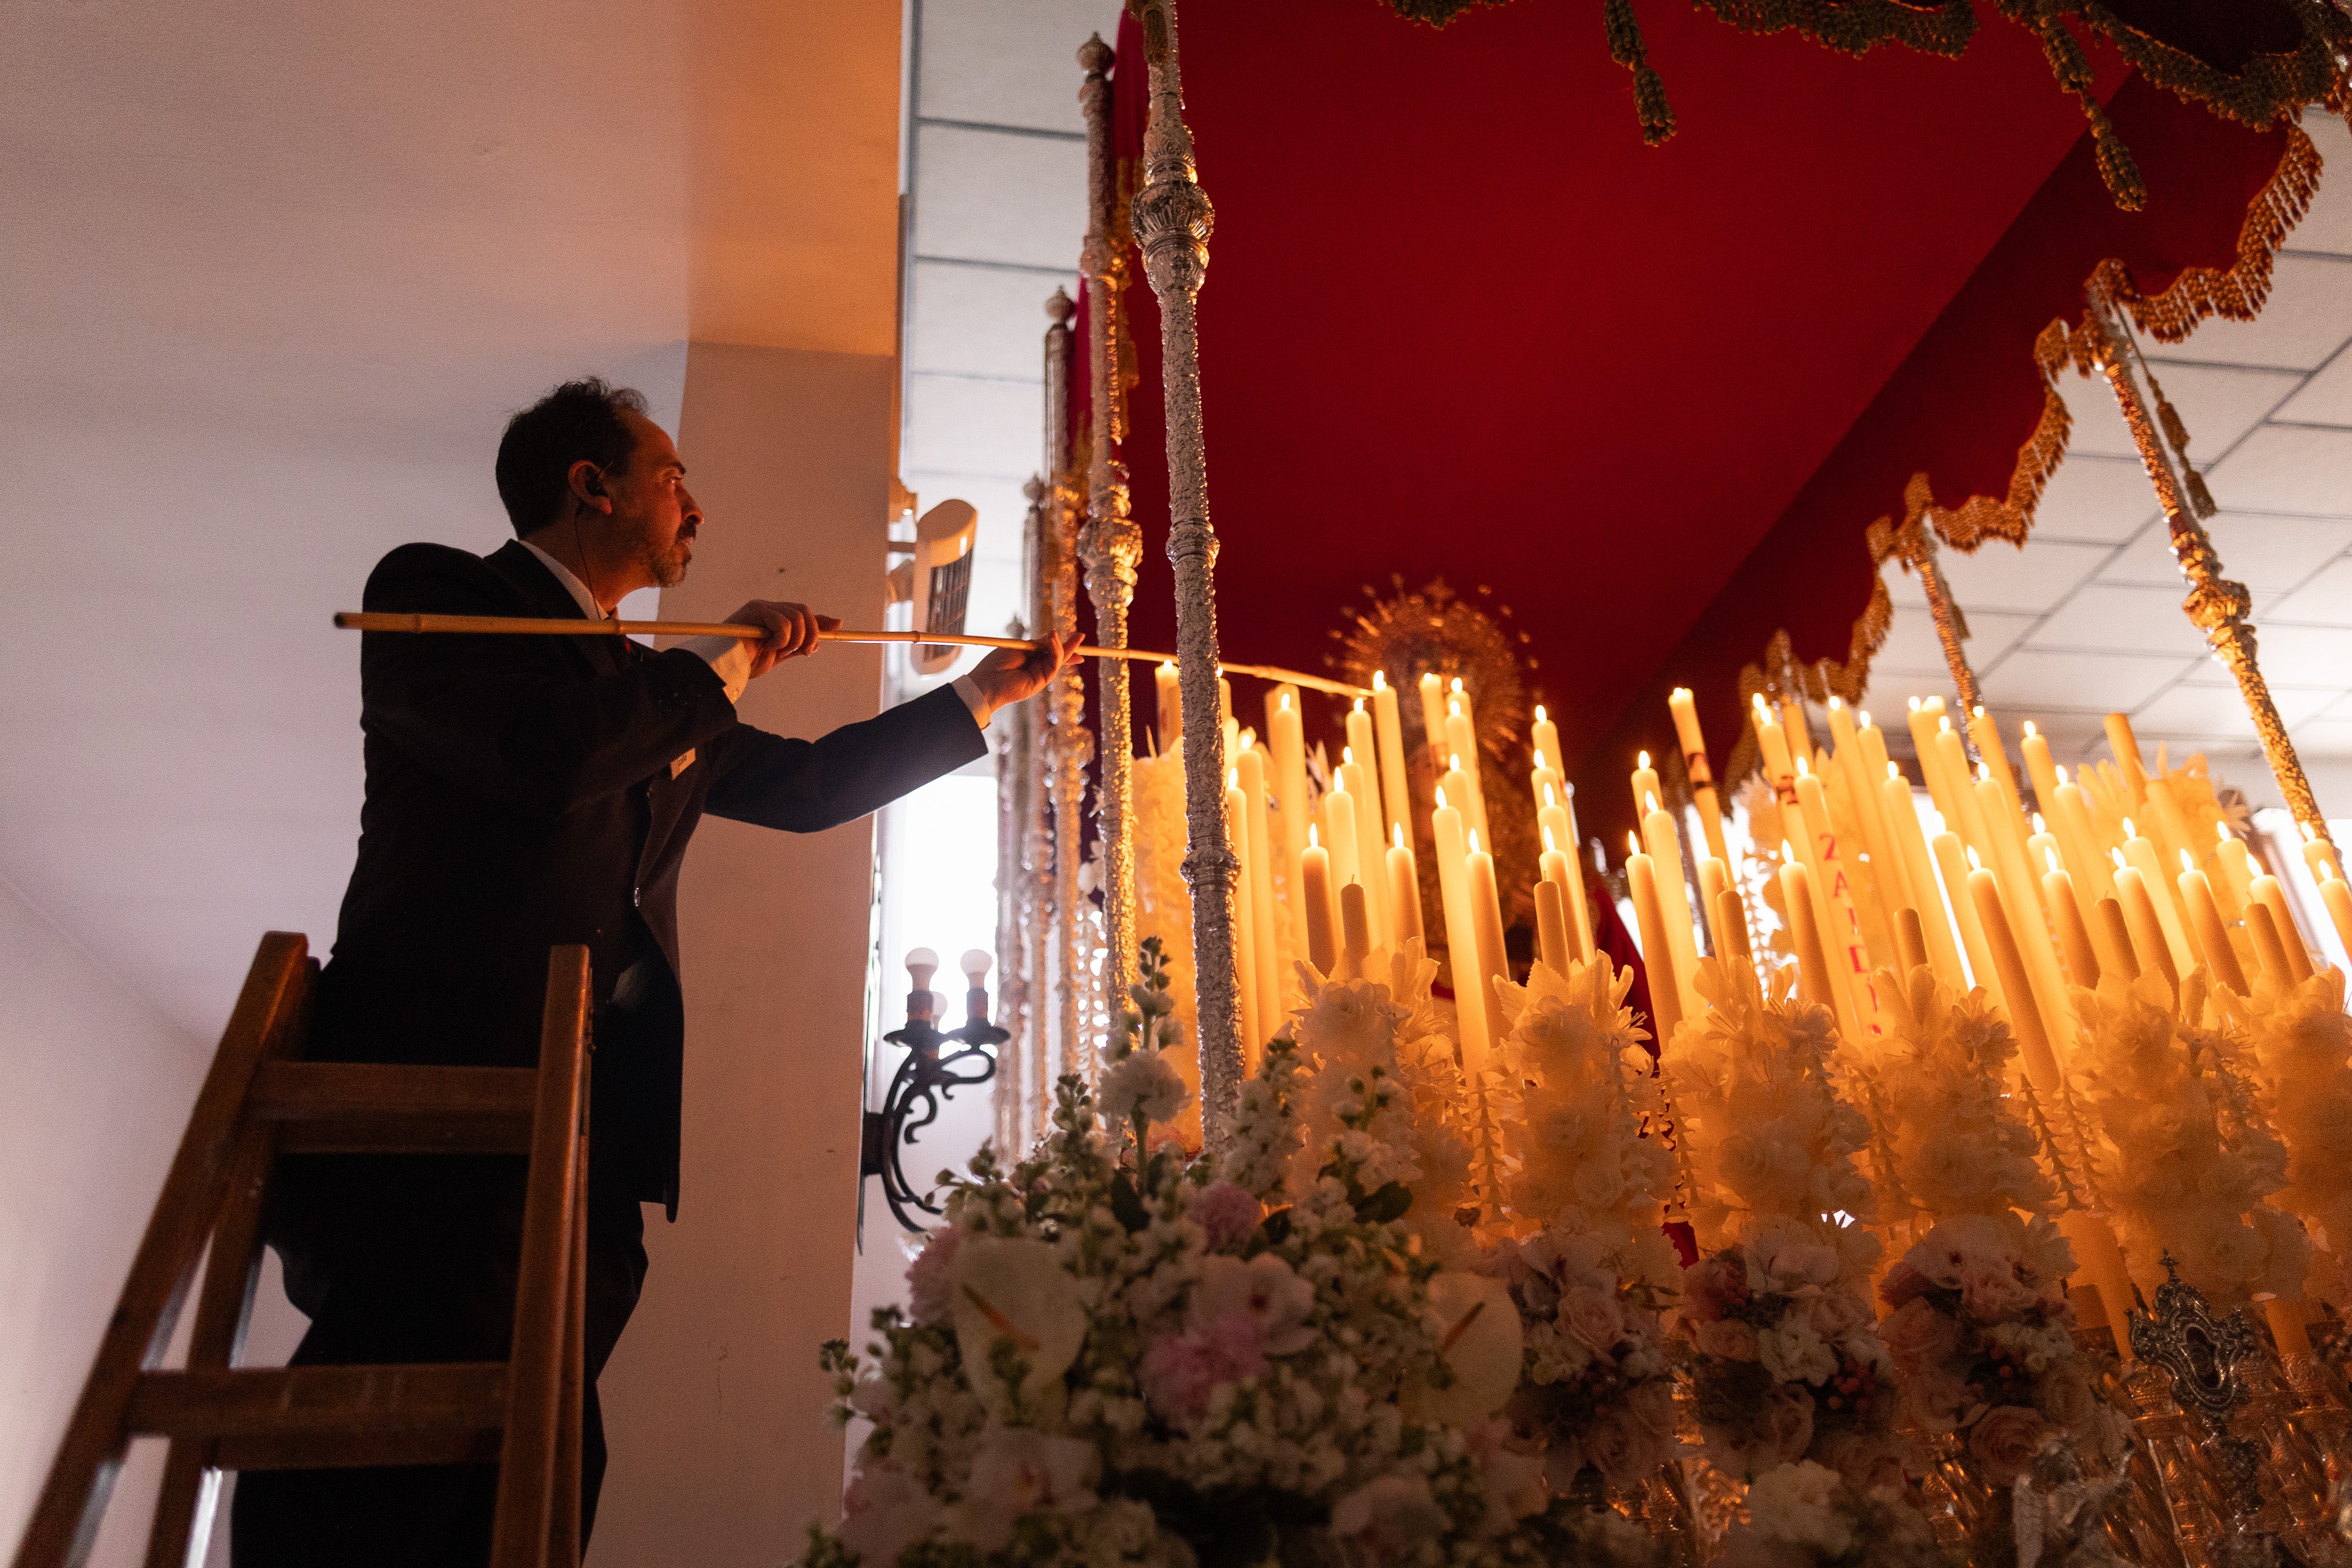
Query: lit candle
{"points": [[1551, 926], [2074, 932], [1365, 793], [1172, 708], [1355, 929], [2205, 919], [1340, 836], [2270, 951], [1271, 970], [2338, 896], [1869, 805], [1556, 870], [2016, 983], [1657, 952], [2149, 944], [1953, 759], [1543, 778], [2126, 745], [1772, 741], [1461, 746], [1836, 925], [1447, 831], [2039, 767], [1685, 708], [2237, 866], [1315, 884], [1666, 855], [2172, 835], [1494, 959], [1253, 1033], [1813, 973], [1911, 940], [1433, 720], [2317, 851], [1553, 863], [1922, 718], [1996, 760], [1387, 732], [2019, 892], [2271, 895], [1919, 875], [1404, 888], [1285, 741], [1951, 861], [1647, 791], [2139, 854], [1731, 922], [2079, 842], [1580, 917], [1547, 736], [2112, 933]]}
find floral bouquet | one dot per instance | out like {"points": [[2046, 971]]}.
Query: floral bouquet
{"points": [[1806, 1514], [2297, 1047], [1981, 1338], [1122, 1353]]}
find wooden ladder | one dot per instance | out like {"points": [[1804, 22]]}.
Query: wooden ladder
{"points": [[261, 1101]]}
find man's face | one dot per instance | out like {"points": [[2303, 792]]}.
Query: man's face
{"points": [[651, 505]]}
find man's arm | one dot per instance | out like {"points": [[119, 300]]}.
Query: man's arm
{"points": [[504, 717]]}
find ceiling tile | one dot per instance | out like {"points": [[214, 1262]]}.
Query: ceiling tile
{"points": [[973, 427], [2146, 560], [2287, 468], [2324, 600], [1008, 62], [2030, 679], [2307, 316], [2217, 711], [2112, 618], [990, 196], [2324, 737], [2340, 708], [1911, 648], [2218, 403], [979, 320], [2269, 555], [2101, 499], [2328, 225], [2325, 398], [2000, 577], [2304, 656]]}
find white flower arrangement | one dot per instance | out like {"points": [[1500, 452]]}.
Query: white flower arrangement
{"points": [[1804, 1514], [1119, 1353], [2298, 1049], [2161, 1091]]}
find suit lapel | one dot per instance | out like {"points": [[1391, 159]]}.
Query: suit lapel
{"points": [[547, 599]]}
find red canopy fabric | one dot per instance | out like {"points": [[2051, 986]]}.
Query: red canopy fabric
{"points": [[1460, 322]]}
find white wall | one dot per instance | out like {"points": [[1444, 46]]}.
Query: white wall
{"points": [[714, 1407]]}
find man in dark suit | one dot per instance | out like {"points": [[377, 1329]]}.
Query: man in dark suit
{"points": [[525, 791]]}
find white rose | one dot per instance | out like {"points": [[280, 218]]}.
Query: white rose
{"points": [[1794, 1352], [1799, 1504]]}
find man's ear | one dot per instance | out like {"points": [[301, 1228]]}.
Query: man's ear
{"points": [[586, 481]]}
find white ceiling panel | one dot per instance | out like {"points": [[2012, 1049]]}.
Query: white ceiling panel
{"points": [[2102, 500], [2324, 600], [2121, 620], [2304, 656], [2215, 712], [2001, 577], [1008, 62], [996, 196], [957, 425], [2287, 468], [2218, 403], [2269, 555], [2307, 316], [1912, 648], [2325, 398], [980, 320], [2032, 680], [2324, 737]]}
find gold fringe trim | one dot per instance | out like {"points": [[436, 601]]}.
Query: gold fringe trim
{"points": [[1855, 28], [2271, 87]]}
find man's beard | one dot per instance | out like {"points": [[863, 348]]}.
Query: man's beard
{"points": [[666, 567]]}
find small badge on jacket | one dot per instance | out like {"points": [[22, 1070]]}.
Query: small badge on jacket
{"points": [[685, 760]]}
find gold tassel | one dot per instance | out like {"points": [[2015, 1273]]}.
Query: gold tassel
{"points": [[1649, 93]]}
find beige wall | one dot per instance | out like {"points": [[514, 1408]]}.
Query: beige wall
{"points": [[720, 1450]]}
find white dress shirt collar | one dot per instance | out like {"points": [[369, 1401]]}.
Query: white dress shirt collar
{"points": [[578, 590]]}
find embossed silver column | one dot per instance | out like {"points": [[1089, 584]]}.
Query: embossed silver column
{"points": [[1111, 544], [1066, 714], [1173, 218]]}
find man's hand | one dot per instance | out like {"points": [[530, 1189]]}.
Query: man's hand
{"points": [[1009, 675], [792, 631]]}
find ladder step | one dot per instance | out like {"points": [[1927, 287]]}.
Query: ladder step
{"points": [[364, 1107], [324, 1417]]}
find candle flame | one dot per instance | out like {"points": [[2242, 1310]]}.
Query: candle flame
{"points": [[1454, 760], [1380, 680], [1474, 841], [1759, 700], [1978, 710], [2309, 837], [1348, 753], [1895, 770], [1863, 715], [2327, 872], [2130, 831], [1232, 778], [1360, 705], [1801, 769], [1396, 834], [2188, 861], [1311, 837], [1642, 761], [1935, 822], [2061, 772], [1457, 682], [1650, 799], [2221, 831], [1787, 853], [1454, 707], [1984, 772], [1540, 713], [1836, 702], [1284, 699], [1552, 795], [1441, 797], [2050, 855], [2119, 856], [1632, 844], [2030, 731], [1539, 761], [1914, 705], [1548, 844], [1943, 724], [1429, 679], [1974, 863]]}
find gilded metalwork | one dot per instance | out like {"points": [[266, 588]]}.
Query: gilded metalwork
{"points": [[1914, 546], [2218, 606], [1073, 746], [2207, 1359], [1111, 543], [1172, 219]]}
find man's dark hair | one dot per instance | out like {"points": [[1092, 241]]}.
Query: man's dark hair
{"points": [[578, 420]]}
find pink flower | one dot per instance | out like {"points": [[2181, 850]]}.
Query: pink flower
{"points": [[1265, 1289], [930, 1289], [1915, 1334], [1226, 1212], [1726, 1338], [1994, 1294], [1592, 1315], [1179, 1369], [2006, 1440]]}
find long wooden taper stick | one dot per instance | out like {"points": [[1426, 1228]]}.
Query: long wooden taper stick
{"points": [[510, 626]]}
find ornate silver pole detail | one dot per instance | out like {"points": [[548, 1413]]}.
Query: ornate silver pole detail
{"points": [[1173, 218], [1111, 544], [1074, 747], [2218, 606], [1038, 885], [1914, 546]]}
